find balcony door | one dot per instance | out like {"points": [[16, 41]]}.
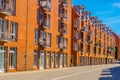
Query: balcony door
{"points": [[42, 60], [2, 59]]}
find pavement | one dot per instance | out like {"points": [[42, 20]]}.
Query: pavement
{"points": [[94, 72]]}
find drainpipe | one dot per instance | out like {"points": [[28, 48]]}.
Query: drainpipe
{"points": [[26, 35]]}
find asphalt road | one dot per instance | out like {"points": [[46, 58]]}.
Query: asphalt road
{"points": [[97, 72]]}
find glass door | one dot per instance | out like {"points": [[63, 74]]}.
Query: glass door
{"points": [[61, 60], [42, 60], [2, 59], [52, 60]]}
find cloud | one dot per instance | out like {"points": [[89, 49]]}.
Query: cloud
{"points": [[117, 4]]}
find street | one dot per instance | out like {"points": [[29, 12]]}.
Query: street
{"points": [[95, 72]]}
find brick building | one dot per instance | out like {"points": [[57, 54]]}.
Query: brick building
{"points": [[92, 41], [52, 34], [117, 40], [36, 37]]}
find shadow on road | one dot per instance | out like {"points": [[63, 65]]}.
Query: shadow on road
{"points": [[110, 74]]}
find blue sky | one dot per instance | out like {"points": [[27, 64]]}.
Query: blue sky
{"points": [[107, 10]]}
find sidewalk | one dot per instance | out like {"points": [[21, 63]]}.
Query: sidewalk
{"points": [[54, 74]]}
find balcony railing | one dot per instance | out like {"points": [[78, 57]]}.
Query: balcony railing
{"points": [[63, 2], [45, 5], [63, 16], [62, 47], [90, 32], [43, 43], [7, 6], [96, 43], [63, 31], [76, 37], [45, 23], [83, 29], [83, 40], [4, 37]]}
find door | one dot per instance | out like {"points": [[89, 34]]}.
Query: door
{"points": [[72, 61], [61, 60], [42, 60], [81, 61], [52, 60], [2, 59]]}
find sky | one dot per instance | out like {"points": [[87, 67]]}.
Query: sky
{"points": [[106, 10]]}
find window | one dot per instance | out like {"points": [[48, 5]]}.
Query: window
{"points": [[36, 36], [75, 46], [57, 41], [13, 6], [56, 59], [38, 16], [13, 31], [65, 43], [42, 37], [3, 29], [48, 40], [65, 59], [35, 58], [48, 59], [12, 57], [61, 42]]}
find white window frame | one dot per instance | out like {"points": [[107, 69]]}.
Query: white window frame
{"points": [[13, 61], [35, 58], [35, 36], [3, 29], [48, 40], [57, 59], [48, 59], [13, 31]]}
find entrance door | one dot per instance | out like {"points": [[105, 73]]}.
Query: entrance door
{"points": [[61, 60], [81, 61], [2, 59], [42, 60], [72, 60], [52, 60]]}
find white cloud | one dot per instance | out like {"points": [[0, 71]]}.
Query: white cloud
{"points": [[117, 4]]}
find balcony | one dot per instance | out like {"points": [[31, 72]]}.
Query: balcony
{"points": [[83, 40], [7, 7], [62, 47], [76, 37], [4, 37], [90, 42], [63, 31], [83, 29], [96, 43], [45, 5], [82, 51], [43, 43], [63, 16], [63, 3], [45, 23], [90, 32]]}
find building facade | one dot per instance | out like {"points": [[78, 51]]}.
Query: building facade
{"points": [[33, 38], [92, 42], [117, 40], [52, 34]]}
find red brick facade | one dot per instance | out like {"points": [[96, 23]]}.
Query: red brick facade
{"points": [[36, 34]]}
